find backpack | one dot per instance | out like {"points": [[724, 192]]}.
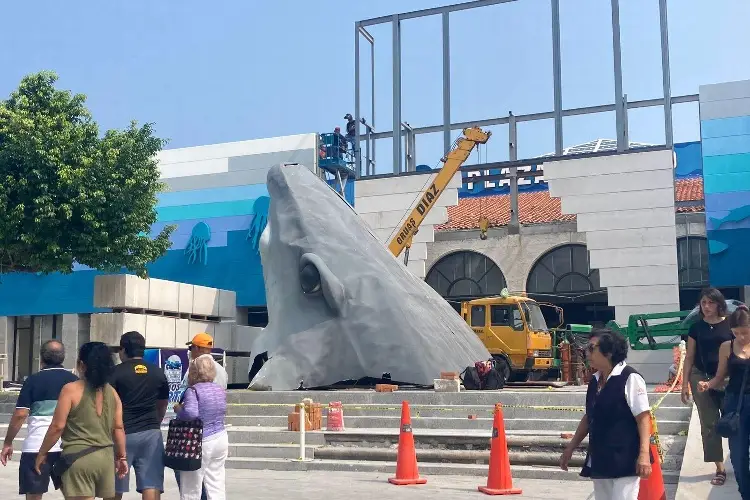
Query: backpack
{"points": [[470, 378]]}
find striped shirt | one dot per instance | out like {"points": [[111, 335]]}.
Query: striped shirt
{"points": [[39, 395]]}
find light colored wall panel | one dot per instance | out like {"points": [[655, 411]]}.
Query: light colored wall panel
{"points": [[265, 161], [613, 183], [626, 219], [186, 298], [418, 251], [417, 267], [638, 275], [630, 238], [642, 294], [205, 301], [109, 327], [393, 218], [182, 332], [426, 234], [164, 295], [405, 201], [227, 304], [223, 335], [713, 110], [724, 91], [401, 184], [632, 257], [239, 148], [613, 164], [195, 167], [196, 327], [615, 202], [160, 331]]}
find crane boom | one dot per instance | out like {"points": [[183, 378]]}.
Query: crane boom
{"points": [[452, 161]]}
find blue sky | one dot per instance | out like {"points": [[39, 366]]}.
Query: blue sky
{"points": [[209, 72]]}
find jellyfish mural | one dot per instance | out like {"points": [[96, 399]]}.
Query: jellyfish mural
{"points": [[197, 246], [260, 209]]}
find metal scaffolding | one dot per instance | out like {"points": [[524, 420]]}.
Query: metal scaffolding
{"points": [[620, 105]]}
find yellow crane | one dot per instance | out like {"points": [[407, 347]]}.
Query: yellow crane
{"points": [[452, 161]]}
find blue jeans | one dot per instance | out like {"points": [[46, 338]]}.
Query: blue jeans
{"points": [[177, 477], [739, 445]]}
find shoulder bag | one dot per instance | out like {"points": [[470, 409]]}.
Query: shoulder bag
{"points": [[65, 461], [717, 395], [183, 450], [729, 423]]}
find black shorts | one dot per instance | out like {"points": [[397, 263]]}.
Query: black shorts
{"points": [[29, 482]]}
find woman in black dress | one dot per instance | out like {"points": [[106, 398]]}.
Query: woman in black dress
{"points": [[734, 361], [701, 364]]}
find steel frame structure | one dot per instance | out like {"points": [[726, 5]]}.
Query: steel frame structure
{"points": [[620, 105]]}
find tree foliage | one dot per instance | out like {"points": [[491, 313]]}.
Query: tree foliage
{"points": [[68, 194]]}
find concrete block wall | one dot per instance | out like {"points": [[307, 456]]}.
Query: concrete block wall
{"points": [[625, 206], [160, 331], [122, 291], [385, 202]]}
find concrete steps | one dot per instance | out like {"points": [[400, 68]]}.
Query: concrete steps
{"points": [[451, 430]]}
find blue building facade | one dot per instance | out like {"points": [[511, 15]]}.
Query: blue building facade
{"points": [[725, 136], [218, 201]]}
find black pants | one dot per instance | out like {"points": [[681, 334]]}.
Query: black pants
{"points": [[203, 493]]}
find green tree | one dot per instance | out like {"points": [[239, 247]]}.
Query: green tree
{"points": [[68, 194]]}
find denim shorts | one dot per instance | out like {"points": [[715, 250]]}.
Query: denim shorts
{"points": [[145, 452]]}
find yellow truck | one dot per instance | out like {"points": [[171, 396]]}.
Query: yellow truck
{"points": [[512, 328], [514, 331]]}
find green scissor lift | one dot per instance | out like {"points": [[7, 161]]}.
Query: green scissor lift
{"points": [[643, 330]]}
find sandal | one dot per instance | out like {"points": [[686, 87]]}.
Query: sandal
{"points": [[719, 479]]}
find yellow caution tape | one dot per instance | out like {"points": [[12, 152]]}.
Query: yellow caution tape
{"points": [[655, 406]]}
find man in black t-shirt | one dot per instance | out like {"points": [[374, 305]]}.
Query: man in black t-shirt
{"points": [[144, 392]]}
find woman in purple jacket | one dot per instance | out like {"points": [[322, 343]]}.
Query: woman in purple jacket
{"points": [[206, 401]]}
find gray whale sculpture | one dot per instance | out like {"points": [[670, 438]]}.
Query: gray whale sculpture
{"points": [[340, 307]]}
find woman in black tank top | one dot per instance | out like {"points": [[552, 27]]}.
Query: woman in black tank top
{"points": [[734, 360]]}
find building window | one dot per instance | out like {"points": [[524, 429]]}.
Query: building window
{"points": [[564, 272], [692, 262], [506, 316], [466, 275], [478, 317]]}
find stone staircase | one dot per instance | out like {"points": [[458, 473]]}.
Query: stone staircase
{"points": [[451, 431]]}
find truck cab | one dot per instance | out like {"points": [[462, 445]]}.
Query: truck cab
{"points": [[514, 331]]}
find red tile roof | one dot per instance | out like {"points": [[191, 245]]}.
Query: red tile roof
{"points": [[539, 208]]}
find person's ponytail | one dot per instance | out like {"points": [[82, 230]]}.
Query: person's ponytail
{"points": [[740, 317]]}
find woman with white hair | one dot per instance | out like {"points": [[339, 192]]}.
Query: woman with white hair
{"points": [[206, 401]]}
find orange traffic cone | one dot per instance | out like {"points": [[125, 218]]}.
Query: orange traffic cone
{"points": [[652, 488], [406, 461], [499, 480]]}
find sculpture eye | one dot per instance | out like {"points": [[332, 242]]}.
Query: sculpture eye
{"points": [[309, 279]]}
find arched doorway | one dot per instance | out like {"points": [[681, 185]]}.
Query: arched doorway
{"points": [[692, 269], [563, 276], [465, 275]]}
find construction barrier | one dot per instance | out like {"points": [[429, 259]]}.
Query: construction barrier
{"points": [[652, 488], [499, 479], [407, 471]]}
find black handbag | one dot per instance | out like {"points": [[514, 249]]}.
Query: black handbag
{"points": [[184, 447], [729, 423]]}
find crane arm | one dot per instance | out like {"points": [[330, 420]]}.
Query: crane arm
{"points": [[451, 163]]}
